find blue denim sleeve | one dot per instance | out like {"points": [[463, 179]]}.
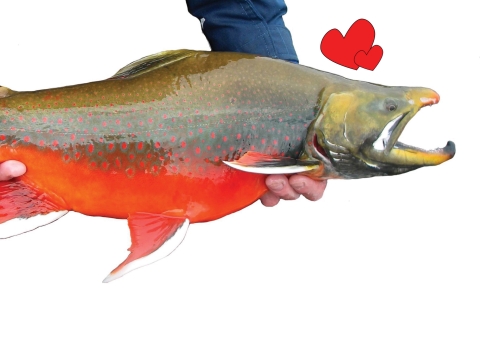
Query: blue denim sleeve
{"points": [[251, 26]]}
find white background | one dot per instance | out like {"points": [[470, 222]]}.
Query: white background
{"points": [[383, 263]]}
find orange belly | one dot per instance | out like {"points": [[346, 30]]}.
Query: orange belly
{"points": [[208, 193]]}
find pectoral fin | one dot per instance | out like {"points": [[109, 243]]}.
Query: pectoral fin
{"points": [[154, 236], [254, 162]]}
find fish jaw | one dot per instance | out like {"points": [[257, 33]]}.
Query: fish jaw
{"points": [[396, 157], [356, 134]]}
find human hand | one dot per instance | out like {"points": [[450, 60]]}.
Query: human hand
{"points": [[11, 169], [281, 187]]}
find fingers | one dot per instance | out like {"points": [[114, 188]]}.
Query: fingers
{"points": [[11, 169], [269, 199], [281, 187], [309, 188]]}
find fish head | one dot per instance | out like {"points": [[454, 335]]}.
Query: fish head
{"points": [[355, 134]]}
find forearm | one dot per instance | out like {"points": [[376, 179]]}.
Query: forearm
{"points": [[251, 26]]}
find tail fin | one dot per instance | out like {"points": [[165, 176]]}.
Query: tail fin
{"points": [[20, 201]]}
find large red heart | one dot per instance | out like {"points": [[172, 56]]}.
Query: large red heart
{"points": [[342, 50], [369, 60]]}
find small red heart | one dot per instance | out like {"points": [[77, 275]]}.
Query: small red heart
{"points": [[342, 50], [371, 59]]}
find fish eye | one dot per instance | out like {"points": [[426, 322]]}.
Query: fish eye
{"points": [[390, 105]]}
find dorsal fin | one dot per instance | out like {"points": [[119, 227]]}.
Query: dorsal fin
{"points": [[149, 63], [5, 92]]}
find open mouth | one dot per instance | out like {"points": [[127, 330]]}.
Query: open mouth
{"points": [[387, 148], [390, 134]]}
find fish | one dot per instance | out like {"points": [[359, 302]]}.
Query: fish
{"points": [[183, 137]]}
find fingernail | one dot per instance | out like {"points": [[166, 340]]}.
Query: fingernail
{"points": [[277, 185]]}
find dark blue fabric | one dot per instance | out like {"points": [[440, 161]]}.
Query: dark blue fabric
{"points": [[251, 26]]}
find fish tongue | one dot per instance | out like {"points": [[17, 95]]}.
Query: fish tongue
{"points": [[154, 236]]}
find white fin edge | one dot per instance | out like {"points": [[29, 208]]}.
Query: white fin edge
{"points": [[163, 251], [17, 226], [289, 169]]}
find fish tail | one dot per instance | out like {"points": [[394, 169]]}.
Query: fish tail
{"points": [[20, 201]]}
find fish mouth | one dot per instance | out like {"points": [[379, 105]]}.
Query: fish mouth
{"points": [[387, 150]]}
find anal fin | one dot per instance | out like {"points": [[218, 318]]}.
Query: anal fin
{"points": [[23, 208], [259, 163], [154, 236]]}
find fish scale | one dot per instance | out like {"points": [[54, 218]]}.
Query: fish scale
{"points": [[183, 136], [179, 123]]}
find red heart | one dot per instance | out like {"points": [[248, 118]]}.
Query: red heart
{"points": [[342, 50], [371, 59]]}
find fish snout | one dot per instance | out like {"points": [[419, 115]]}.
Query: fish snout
{"points": [[422, 97]]}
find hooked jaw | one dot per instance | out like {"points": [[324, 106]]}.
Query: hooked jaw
{"points": [[387, 150]]}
